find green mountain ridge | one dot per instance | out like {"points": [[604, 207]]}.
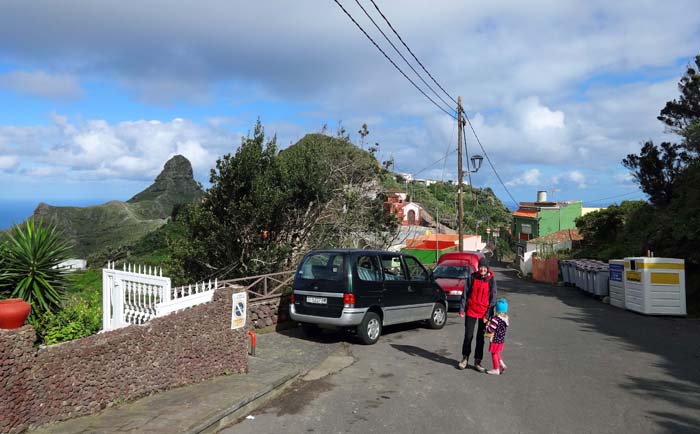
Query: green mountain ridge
{"points": [[111, 225]]}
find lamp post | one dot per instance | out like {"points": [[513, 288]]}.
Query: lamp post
{"points": [[476, 165]]}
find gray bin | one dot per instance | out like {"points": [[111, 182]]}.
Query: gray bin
{"points": [[601, 278], [566, 274]]}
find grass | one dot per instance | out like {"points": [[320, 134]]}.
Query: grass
{"points": [[84, 281]]}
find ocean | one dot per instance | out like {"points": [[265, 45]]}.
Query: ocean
{"points": [[17, 210]]}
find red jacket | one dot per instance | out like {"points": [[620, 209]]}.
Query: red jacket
{"points": [[480, 297]]}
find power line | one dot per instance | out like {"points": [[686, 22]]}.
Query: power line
{"points": [[416, 86], [488, 159], [616, 196], [392, 62], [400, 54], [409, 50], [469, 172], [447, 152], [435, 162]]}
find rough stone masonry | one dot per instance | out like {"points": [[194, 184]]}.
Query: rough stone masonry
{"points": [[39, 386]]}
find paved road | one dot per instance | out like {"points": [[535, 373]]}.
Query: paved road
{"points": [[575, 366]]}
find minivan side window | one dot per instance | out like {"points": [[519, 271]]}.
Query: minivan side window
{"points": [[391, 265], [415, 269], [322, 266], [368, 269]]}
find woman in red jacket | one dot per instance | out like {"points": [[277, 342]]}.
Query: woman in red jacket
{"points": [[477, 302]]}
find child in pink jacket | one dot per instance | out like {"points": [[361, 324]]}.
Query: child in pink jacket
{"points": [[496, 331]]}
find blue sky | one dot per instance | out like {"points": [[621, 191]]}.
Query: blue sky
{"points": [[558, 92]]}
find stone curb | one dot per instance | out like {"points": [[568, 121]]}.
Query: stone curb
{"points": [[244, 407]]}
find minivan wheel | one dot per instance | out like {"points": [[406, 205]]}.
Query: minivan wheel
{"points": [[438, 318], [311, 330], [370, 329]]}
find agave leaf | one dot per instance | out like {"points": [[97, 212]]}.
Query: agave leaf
{"points": [[29, 265]]}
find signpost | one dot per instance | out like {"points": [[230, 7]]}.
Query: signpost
{"points": [[238, 317]]}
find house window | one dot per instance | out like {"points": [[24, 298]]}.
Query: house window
{"points": [[526, 228]]}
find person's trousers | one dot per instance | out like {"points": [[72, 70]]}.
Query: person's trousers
{"points": [[469, 324], [495, 350]]}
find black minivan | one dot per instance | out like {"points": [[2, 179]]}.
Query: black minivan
{"points": [[365, 290]]}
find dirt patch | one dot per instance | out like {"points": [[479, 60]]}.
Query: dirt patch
{"points": [[294, 400]]}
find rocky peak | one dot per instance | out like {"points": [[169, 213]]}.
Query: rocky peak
{"points": [[176, 182]]}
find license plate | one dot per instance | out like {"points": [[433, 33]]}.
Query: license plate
{"points": [[317, 300]]}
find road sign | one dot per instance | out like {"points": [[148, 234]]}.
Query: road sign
{"points": [[238, 317]]}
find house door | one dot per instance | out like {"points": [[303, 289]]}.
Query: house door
{"points": [[411, 217]]}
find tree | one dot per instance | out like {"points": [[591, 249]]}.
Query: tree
{"points": [[364, 132], [656, 169], [30, 266], [267, 208], [679, 114]]}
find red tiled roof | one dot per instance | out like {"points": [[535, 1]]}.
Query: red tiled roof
{"points": [[559, 237]]}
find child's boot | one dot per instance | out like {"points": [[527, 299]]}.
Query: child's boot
{"points": [[503, 366]]}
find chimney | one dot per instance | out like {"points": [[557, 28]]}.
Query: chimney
{"points": [[542, 196]]}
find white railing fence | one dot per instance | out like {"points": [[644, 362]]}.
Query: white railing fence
{"points": [[137, 294]]}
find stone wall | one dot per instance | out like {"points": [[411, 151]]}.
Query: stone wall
{"points": [[269, 312], [38, 386]]}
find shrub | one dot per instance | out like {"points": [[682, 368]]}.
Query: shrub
{"points": [[30, 265], [81, 316]]}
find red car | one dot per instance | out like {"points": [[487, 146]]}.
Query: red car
{"points": [[452, 271]]}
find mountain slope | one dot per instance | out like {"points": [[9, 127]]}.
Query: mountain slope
{"points": [[113, 224]]}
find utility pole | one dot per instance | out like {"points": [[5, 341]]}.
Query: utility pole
{"points": [[460, 174]]}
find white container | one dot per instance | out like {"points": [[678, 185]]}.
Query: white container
{"points": [[617, 282], [655, 286]]}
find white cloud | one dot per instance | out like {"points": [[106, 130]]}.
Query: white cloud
{"points": [[130, 150], [40, 83], [541, 79], [8, 162], [531, 177], [624, 178], [577, 178]]}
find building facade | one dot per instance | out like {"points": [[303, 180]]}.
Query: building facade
{"points": [[536, 219]]}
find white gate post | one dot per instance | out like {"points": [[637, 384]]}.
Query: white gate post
{"points": [[118, 304], [107, 288]]}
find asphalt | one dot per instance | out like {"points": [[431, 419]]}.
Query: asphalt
{"points": [[575, 365], [281, 359]]}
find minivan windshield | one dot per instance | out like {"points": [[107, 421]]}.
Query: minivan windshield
{"points": [[451, 271], [322, 266]]}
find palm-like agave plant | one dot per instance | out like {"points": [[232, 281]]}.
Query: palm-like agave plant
{"points": [[32, 254]]}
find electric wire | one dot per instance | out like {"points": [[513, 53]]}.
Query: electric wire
{"points": [[392, 62], [498, 176], [487, 157], [435, 162], [615, 196], [409, 50], [401, 55]]}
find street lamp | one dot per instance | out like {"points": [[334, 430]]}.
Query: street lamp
{"points": [[476, 163]]}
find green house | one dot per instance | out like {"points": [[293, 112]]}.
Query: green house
{"points": [[536, 219]]}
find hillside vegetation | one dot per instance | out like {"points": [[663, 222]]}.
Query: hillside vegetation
{"points": [[111, 226], [482, 208]]}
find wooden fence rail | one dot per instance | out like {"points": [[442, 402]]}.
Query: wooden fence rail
{"points": [[264, 286]]}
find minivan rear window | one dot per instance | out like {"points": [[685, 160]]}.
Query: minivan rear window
{"points": [[323, 266]]}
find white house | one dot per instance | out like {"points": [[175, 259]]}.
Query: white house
{"points": [[73, 265]]}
